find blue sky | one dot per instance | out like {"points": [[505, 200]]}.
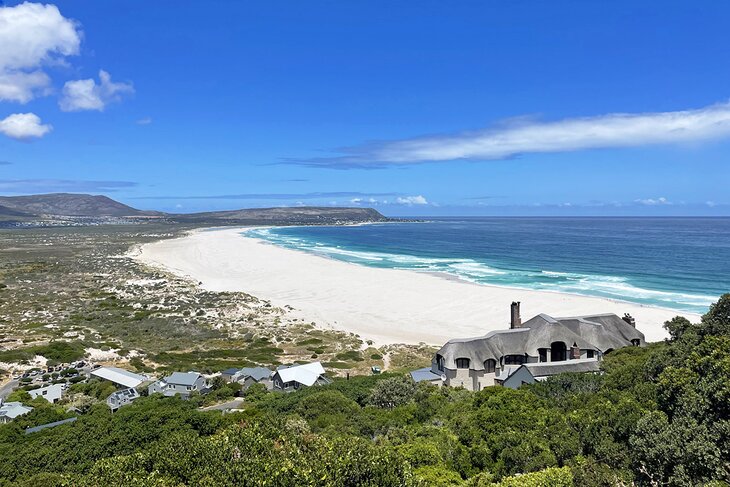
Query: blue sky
{"points": [[415, 108]]}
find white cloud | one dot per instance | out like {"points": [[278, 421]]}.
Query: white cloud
{"points": [[24, 126], [411, 200], [371, 201], [521, 136], [86, 94], [654, 201], [144, 121], [32, 35]]}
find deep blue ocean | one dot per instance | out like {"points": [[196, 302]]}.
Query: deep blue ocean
{"points": [[680, 263]]}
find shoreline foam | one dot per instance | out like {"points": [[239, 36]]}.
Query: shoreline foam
{"points": [[384, 305]]}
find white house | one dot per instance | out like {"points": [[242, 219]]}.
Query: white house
{"points": [[50, 393], [180, 383], [11, 410], [289, 378]]}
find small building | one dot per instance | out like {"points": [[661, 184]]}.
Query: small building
{"points": [[426, 375], [120, 377], [50, 393], [231, 375], [11, 410], [290, 378], [247, 376], [180, 383], [121, 398], [256, 375], [514, 377]]}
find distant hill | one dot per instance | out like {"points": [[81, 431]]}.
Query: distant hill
{"points": [[287, 215], [61, 207], [66, 204]]}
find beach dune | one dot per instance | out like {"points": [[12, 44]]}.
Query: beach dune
{"points": [[383, 305]]}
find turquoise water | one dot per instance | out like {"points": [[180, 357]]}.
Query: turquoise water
{"points": [[679, 263]]}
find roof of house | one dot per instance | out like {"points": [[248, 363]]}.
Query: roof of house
{"points": [[35, 429], [424, 374], [231, 371], [257, 373], [306, 374], [124, 394], [14, 409], [182, 378], [546, 369], [595, 332], [119, 376]]}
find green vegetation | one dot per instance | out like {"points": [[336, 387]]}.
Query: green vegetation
{"points": [[658, 416], [70, 289], [55, 352]]}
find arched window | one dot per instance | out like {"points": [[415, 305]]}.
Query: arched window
{"points": [[558, 352], [490, 365], [514, 359], [462, 363], [635, 342]]}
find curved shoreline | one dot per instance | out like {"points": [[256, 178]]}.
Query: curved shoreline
{"points": [[385, 305]]}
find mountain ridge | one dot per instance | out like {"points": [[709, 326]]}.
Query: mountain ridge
{"points": [[77, 206]]}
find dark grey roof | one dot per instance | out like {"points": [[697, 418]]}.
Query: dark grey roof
{"points": [[257, 373], [595, 332], [35, 429], [230, 371], [545, 369], [424, 374]]}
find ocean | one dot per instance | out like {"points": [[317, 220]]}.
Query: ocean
{"points": [[679, 263]]}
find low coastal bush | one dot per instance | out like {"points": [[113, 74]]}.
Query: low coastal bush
{"points": [[55, 352], [656, 416]]}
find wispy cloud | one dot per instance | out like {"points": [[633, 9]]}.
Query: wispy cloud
{"points": [[30, 186], [411, 200], [269, 196], [653, 201], [525, 135], [144, 121]]}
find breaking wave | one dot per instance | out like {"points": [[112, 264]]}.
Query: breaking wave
{"points": [[480, 272]]}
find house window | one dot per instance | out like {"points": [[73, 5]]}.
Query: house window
{"points": [[490, 365], [440, 362], [558, 352], [514, 359], [589, 353], [462, 363], [635, 342]]}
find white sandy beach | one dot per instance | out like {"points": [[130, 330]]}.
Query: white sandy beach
{"points": [[384, 305]]}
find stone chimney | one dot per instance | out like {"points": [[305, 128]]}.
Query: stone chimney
{"points": [[515, 320], [629, 319]]}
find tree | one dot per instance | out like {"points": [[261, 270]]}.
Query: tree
{"points": [[392, 392]]}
